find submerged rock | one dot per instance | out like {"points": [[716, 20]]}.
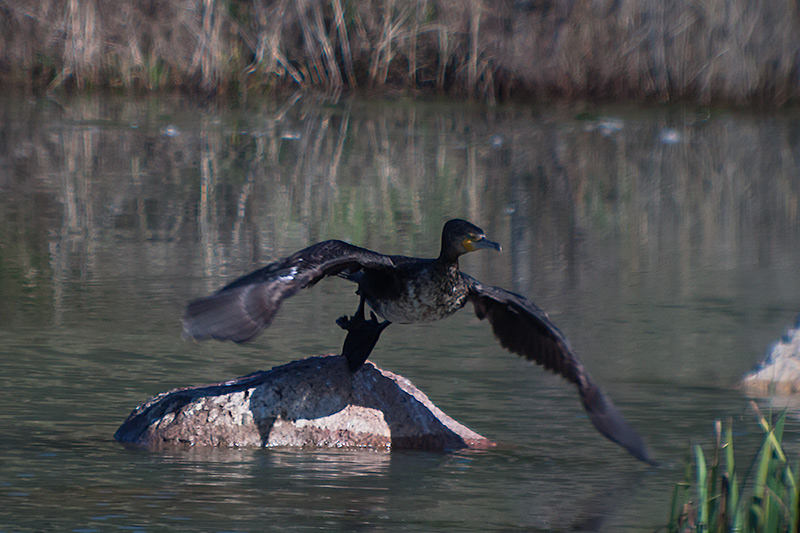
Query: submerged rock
{"points": [[779, 373], [310, 402]]}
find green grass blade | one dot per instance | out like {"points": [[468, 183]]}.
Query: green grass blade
{"points": [[774, 440], [713, 480], [795, 506], [736, 511], [764, 457], [729, 459], [674, 513], [702, 488]]}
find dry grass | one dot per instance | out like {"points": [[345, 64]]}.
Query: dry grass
{"points": [[731, 51]]}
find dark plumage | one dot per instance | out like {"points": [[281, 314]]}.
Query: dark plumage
{"points": [[405, 290]]}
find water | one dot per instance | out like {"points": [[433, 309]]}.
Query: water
{"points": [[665, 244]]}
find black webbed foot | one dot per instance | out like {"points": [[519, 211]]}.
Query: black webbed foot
{"points": [[345, 321], [348, 323], [362, 335]]}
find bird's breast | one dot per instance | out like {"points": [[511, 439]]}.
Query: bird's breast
{"points": [[422, 300]]}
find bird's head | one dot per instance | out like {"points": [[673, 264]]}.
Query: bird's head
{"points": [[460, 237]]}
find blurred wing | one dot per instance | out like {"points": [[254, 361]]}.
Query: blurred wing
{"points": [[243, 308], [523, 328]]}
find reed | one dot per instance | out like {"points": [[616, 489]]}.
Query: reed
{"points": [[764, 499], [730, 51]]}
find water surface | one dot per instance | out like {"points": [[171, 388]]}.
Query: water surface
{"points": [[664, 243]]}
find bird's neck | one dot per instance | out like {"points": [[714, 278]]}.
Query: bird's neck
{"points": [[447, 264]]}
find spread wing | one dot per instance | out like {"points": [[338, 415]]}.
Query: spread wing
{"points": [[523, 328], [242, 309]]}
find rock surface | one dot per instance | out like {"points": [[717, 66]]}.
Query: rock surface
{"points": [[779, 373], [310, 402]]}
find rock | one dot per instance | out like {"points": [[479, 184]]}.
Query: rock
{"points": [[779, 373], [310, 402]]}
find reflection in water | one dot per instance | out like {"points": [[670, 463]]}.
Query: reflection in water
{"points": [[244, 188], [664, 244], [226, 191]]}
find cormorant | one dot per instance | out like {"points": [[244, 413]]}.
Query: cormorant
{"points": [[406, 290]]}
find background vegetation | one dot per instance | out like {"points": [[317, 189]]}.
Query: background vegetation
{"points": [[727, 51]]}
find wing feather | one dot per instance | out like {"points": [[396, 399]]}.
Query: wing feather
{"points": [[243, 308], [523, 328]]}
